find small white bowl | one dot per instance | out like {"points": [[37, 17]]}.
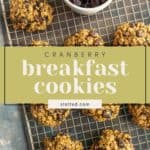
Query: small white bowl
{"points": [[87, 11]]}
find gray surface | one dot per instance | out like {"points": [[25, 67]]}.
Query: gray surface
{"points": [[11, 130], [11, 127]]}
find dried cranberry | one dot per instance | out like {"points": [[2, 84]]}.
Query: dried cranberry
{"points": [[88, 3], [96, 147], [107, 113], [77, 2], [140, 33]]}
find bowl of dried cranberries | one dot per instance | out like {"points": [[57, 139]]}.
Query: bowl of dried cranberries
{"points": [[87, 7]]}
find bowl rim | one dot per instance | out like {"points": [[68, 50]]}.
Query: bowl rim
{"points": [[85, 9]]}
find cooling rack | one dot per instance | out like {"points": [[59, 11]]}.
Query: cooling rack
{"points": [[66, 23], [85, 129]]}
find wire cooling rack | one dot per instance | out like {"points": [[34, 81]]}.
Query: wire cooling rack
{"points": [[65, 23], [85, 129]]}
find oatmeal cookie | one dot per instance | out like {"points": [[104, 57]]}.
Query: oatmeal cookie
{"points": [[62, 142], [49, 117], [130, 34], [107, 112], [39, 43], [84, 37], [113, 140], [141, 114], [32, 15]]}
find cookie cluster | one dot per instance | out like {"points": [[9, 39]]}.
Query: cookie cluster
{"points": [[132, 34], [141, 115], [113, 140], [84, 37], [107, 112], [36, 15], [62, 142], [49, 117], [31, 15]]}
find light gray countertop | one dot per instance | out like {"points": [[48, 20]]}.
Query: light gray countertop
{"points": [[11, 129], [12, 135]]}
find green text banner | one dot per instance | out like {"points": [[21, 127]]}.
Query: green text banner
{"points": [[39, 74]]}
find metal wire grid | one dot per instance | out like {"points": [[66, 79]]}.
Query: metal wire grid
{"points": [[65, 23], [86, 129]]}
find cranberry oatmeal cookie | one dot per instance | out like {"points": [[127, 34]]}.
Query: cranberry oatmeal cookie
{"points": [[107, 112], [84, 37], [141, 114], [113, 140], [62, 142], [32, 15], [39, 43], [49, 117], [130, 34]]}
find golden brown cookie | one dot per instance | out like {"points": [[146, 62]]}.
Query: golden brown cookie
{"points": [[141, 114], [31, 15], [130, 34], [62, 142], [84, 37], [49, 117], [107, 112], [113, 140], [39, 43]]}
